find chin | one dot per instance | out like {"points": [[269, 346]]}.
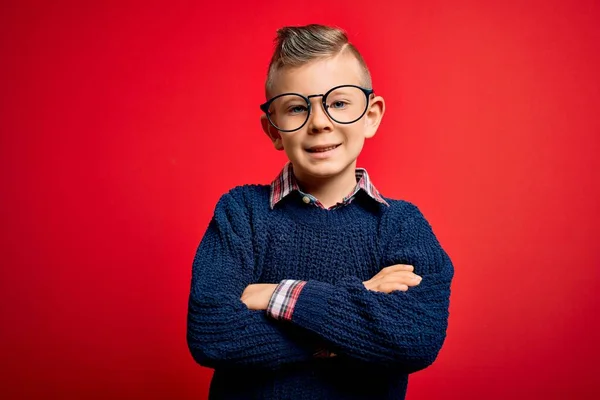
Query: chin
{"points": [[324, 170]]}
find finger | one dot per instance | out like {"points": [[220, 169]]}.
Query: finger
{"points": [[406, 274], [400, 267], [406, 277], [372, 284], [393, 268], [392, 286], [398, 276]]}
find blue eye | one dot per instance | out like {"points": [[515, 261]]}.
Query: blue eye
{"points": [[338, 104], [296, 109]]}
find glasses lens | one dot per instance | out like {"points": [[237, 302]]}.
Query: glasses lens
{"points": [[346, 104], [288, 112]]}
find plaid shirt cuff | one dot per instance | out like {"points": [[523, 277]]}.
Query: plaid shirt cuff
{"points": [[283, 300], [323, 353]]}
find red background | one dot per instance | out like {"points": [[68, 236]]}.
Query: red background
{"points": [[122, 123]]}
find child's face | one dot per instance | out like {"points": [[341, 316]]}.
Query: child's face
{"points": [[318, 77]]}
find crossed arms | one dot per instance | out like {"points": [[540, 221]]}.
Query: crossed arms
{"points": [[378, 321], [256, 296]]}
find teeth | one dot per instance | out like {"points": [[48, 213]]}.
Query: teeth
{"points": [[325, 149]]}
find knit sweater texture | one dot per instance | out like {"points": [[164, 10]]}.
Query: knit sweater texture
{"points": [[378, 338]]}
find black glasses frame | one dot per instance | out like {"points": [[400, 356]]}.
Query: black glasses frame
{"points": [[265, 106]]}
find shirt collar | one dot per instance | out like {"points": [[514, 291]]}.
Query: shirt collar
{"points": [[285, 183]]}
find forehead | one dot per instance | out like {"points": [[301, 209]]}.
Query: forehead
{"points": [[319, 76]]}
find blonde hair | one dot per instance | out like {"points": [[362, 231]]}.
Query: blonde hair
{"points": [[298, 45]]}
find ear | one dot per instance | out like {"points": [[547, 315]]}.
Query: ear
{"points": [[271, 132], [374, 115]]}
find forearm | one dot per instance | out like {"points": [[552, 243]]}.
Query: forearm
{"points": [[232, 335], [221, 329], [401, 329]]}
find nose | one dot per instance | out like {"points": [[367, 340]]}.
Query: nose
{"points": [[319, 121]]}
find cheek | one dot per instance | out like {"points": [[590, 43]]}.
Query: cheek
{"points": [[355, 143], [356, 146], [355, 135], [290, 144]]}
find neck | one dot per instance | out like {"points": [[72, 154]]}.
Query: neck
{"points": [[329, 190]]}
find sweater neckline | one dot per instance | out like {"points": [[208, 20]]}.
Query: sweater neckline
{"points": [[341, 217]]}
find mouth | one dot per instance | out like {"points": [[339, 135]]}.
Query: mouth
{"points": [[323, 149]]}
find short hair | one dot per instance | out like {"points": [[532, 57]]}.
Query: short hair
{"points": [[298, 45]]}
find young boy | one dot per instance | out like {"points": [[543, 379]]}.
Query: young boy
{"points": [[308, 288]]}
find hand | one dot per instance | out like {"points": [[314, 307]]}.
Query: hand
{"points": [[257, 295], [395, 277]]}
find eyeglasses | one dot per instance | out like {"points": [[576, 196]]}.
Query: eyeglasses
{"points": [[344, 104]]}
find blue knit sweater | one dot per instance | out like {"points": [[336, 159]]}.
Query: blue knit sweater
{"points": [[378, 338]]}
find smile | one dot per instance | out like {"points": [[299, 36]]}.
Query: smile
{"points": [[321, 149]]}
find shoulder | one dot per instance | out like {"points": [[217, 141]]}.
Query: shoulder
{"points": [[249, 193], [248, 198], [411, 237], [400, 207], [240, 208], [404, 213]]}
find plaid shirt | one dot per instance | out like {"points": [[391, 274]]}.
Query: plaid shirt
{"points": [[283, 300], [286, 183]]}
